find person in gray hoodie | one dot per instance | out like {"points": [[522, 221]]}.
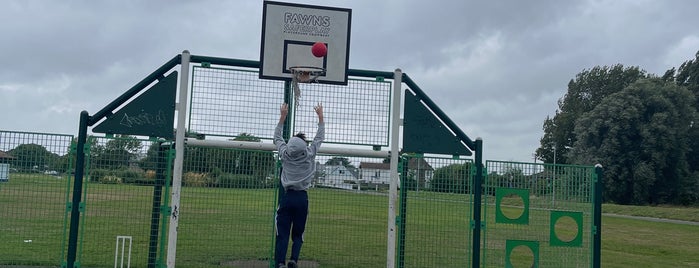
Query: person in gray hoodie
{"points": [[298, 170]]}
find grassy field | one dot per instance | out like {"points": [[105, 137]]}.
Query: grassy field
{"points": [[346, 229], [664, 212]]}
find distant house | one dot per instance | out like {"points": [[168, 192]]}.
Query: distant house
{"points": [[375, 173], [337, 176], [380, 173], [5, 158], [421, 171]]}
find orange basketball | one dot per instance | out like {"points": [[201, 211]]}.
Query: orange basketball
{"points": [[319, 49]]}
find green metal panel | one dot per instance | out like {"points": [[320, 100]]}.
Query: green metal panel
{"points": [[423, 132], [551, 194], [512, 244], [435, 210], [500, 217], [555, 239], [150, 114]]}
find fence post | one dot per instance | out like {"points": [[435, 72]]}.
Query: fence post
{"points": [[403, 210], [477, 200], [597, 217], [157, 201], [77, 190], [395, 156], [179, 156]]}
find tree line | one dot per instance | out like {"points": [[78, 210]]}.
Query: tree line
{"points": [[643, 128]]}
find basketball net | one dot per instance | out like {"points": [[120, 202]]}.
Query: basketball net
{"points": [[303, 75], [296, 77]]}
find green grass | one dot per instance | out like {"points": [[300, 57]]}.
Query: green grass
{"points": [[222, 225], [665, 212]]}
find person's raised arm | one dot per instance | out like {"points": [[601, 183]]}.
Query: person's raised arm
{"points": [[320, 134], [319, 111], [283, 111], [278, 139]]}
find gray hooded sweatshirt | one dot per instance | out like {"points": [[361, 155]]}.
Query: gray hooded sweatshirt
{"points": [[298, 159]]}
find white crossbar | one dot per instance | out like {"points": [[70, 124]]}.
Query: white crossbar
{"points": [[270, 147]]}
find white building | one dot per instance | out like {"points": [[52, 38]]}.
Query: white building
{"points": [[337, 176], [375, 173]]}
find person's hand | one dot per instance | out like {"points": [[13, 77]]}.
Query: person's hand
{"points": [[283, 112], [319, 111]]}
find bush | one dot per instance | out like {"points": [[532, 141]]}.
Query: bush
{"points": [[195, 179], [238, 181], [110, 179], [121, 176], [129, 175], [96, 175]]}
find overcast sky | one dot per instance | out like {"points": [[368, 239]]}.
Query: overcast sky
{"points": [[497, 68]]}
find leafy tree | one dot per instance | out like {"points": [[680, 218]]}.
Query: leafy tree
{"points": [[34, 157], [195, 159], [339, 161], [687, 75], [116, 153], [641, 135], [256, 163], [227, 165], [453, 178], [152, 159], [247, 137], [585, 92]]}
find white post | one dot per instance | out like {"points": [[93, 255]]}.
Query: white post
{"points": [[553, 183], [393, 190], [120, 239], [181, 108]]}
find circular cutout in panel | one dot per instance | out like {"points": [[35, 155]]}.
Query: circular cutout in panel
{"points": [[512, 207], [566, 229], [522, 256], [522, 253]]}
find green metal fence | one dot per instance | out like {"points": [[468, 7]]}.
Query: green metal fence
{"points": [[538, 215], [35, 181], [435, 212], [229, 201], [125, 202], [226, 210], [534, 214], [233, 102], [347, 214]]}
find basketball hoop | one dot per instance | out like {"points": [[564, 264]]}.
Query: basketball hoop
{"points": [[303, 74]]}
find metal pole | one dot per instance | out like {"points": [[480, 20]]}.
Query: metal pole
{"points": [[179, 155], [403, 166], [393, 190], [597, 217], [249, 145], [77, 190], [160, 171], [477, 200], [553, 183]]}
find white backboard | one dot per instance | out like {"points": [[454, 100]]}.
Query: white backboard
{"points": [[289, 31]]}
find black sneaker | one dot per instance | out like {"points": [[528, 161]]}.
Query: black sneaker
{"points": [[292, 264], [281, 265]]}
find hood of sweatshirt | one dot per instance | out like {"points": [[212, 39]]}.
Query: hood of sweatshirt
{"points": [[296, 147]]}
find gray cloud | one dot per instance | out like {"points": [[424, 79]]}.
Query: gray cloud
{"points": [[496, 68]]}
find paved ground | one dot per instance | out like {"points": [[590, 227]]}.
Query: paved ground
{"points": [[264, 264]]}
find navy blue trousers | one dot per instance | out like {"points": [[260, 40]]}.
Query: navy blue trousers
{"points": [[291, 219]]}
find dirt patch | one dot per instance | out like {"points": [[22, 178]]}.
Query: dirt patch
{"points": [[264, 264]]}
